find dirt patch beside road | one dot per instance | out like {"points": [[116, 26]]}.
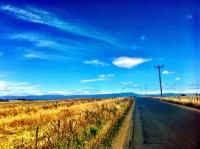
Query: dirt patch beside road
{"points": [[123, 139]]}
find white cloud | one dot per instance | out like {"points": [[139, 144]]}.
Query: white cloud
{"points": [[108, 75], [46, 18], [57, 93], [111, 75], [22, 14], [128, 85], [177, 78], [55, 49], [35, 55], [167, 72], [2, 84], [16, 88], [16, 85], [101, 77], [128, 62], [40, 40], [123, 83], [84, 91], [45, 55], [93, 80], [95, 62]]}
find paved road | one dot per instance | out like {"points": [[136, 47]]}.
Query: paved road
{"points": [[161, 125]]}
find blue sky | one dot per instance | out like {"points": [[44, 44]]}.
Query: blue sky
{"points": [[95, 47]]}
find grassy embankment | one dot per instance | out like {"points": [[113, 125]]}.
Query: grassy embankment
{"points": [[190, 101], [90, 123]]}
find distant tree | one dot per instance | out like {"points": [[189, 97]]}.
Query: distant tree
{"points": [[21, 99], [4, 100]]}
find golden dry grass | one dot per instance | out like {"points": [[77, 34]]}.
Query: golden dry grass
{"points": [[191, 101], [59, 124]]}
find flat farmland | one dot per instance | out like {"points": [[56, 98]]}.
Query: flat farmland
{"points": [[80, 123], [190, 101]]}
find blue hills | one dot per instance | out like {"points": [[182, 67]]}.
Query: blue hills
{"points": [[51, 97]]}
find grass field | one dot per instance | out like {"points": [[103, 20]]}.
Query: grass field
{"points": [[81, 123], [191, 101]]}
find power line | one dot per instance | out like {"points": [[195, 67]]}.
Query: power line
{"points": [[159, 67]]}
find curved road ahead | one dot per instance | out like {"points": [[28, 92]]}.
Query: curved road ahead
{"points": [[161, 125]]}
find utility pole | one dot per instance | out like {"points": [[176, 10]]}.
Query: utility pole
{"points": [[141, 91], [146, 90], [159, 77]]}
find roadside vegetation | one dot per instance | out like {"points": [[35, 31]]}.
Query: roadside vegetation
{"points": [[81, 123], [190, 101]]}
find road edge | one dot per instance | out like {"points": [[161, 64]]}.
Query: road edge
{"points": [[123, 139]]}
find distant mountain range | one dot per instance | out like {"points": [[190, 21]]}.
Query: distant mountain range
{"points": [[50, 97]]}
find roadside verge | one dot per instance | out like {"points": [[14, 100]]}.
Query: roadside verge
{"points": [[123, 140]]}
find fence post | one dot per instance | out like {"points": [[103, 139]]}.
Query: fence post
{"points": [[36, 137], [58, 125]]}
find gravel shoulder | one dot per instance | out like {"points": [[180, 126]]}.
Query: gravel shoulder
{"points": [[123, 140]]}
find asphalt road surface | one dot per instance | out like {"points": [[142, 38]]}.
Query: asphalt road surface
{"points": [[161, 125]]}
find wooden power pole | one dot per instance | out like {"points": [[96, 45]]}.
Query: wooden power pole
{"points": [[159, 78]]}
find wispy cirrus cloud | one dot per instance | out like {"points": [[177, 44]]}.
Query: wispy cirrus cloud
{"points": [[93, 80], [46, 18], [54, 48], [129, 62], [43, 55], [16, 88], [16, 85], [8, 88], [111, 75], [39, 55], [123, 83], [126, 85], [96, 63], [40, 41], [104, 75], [84, 91], [177, 78], [101, 77]]}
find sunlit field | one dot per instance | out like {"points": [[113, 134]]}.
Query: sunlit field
{"points": [[81, 123], [191, 101]]}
